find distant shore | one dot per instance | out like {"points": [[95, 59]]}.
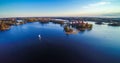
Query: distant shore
{"points": [[5, 23]]}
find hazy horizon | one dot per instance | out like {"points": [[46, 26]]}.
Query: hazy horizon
{"points": [[59, 8]]}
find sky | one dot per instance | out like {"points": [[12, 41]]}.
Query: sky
{"points": [[52, 8]]}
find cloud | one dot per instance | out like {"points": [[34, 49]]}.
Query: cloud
{"points": [[93, 5]]}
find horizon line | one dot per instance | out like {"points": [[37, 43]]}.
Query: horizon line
{"points": [[62, 16]]}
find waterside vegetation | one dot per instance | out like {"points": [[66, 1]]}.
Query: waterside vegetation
{"points": [[75, 22]]}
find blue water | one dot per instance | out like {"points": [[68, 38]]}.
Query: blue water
{"points": [[21, 44]]}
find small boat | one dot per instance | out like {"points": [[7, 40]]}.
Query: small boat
{"points": [[39, 36]]}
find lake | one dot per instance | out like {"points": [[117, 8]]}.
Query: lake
{"points": [[21, 44]]}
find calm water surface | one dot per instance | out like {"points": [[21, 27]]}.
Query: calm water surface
{"points": [[21, 44]]}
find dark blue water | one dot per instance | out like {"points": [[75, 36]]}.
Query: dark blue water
{"points": [[21, 44]]}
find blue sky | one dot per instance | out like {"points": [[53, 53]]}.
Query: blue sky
{"points": [[29, 8]]}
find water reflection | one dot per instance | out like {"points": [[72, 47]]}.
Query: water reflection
{"points": [[43, 23]]}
